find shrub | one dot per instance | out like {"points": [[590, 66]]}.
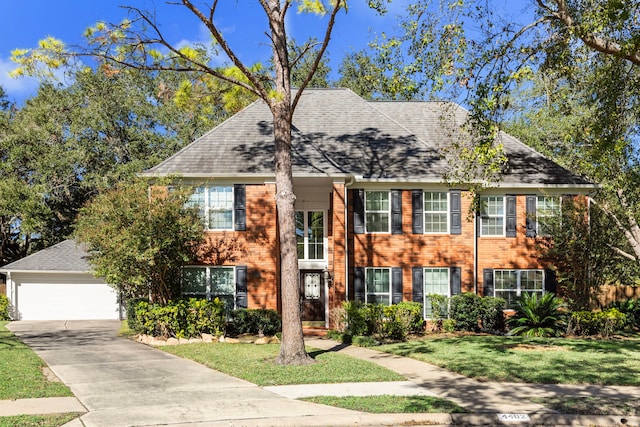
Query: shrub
{"points": [[259, 321], [402, 319], [604, 323], [492, 314], [355, 321], [4, 308], [449, 325], [374, 317], [180, 318], [538, 317], [132, 319], [631, 308], [365, 341], [439, 306], [465, 310]]}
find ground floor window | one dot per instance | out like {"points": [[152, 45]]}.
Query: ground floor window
{"points": [[378, 285], [210, 283], [511, 284], [436, 281]]}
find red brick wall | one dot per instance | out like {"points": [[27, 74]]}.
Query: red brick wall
{"points": [[256, 248]]}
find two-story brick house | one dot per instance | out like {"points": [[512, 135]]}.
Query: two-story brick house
{"points": [[375, 220]]}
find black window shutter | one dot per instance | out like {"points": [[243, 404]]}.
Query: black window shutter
{"points": [[531, 216], [396, 285], [358, 283], [241, 286], [417, 206], [511, 216], [396, 211], [455, 280], [358, 211], [418, 284], [456, 211], [487, 282], [240, 207], [550, 282]]}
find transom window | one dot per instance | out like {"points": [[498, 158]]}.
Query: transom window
{"points": [[378, 282], [436, 281], [547, 211], [377, 211], [492, 215], [310, 234], [215, 206], [436, 212], [210, 283], [511, 284]]}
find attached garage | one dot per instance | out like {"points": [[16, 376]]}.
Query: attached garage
{"points": [[56, 284]]}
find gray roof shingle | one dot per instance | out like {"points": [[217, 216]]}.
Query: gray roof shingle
{"points": [[67, 256], [337, 133]]}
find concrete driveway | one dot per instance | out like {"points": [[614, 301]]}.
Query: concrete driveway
{"points": [[123, 383]]}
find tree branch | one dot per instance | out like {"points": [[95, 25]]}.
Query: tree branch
{"points": [[327, 37]]}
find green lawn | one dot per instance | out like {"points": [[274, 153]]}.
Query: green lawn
{"points": [[51, 420], [254, 363], [591, 405], [21, 371], [390, 404], [516, 359]]}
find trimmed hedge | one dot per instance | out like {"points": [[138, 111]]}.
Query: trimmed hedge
{"points": [[604, 323], [259, 321], [4, 308], [180, 318]]}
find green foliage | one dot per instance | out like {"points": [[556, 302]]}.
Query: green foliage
{"points": [[259, 321], [448, 325], [140, 238], [4, 308], [492, 314], [538, 317], [439, 306], [604, 323], [394, 322], [465, 310], [181, 318], [631, 308], [402, 319], [364, 341], [355, 320], [386, 404], [132, 319]]}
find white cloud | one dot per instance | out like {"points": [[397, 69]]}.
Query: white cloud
{"points": [[17, 89]]}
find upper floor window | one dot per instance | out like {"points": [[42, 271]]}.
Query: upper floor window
{"points": [[377, 209], [492, 216], [310, 234], [215, 205], [547, 211], [436, 212]]}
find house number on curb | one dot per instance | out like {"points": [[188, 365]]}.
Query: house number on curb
{"points": [[513, 418]]}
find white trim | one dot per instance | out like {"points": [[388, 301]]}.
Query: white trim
{"points": [[388, 212], [447, 214], [390, 284]]}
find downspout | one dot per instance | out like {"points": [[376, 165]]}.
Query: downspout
{"points": [[475, 253], [346, 235]]}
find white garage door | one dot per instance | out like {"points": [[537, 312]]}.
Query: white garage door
{"points": [[66, 301]]}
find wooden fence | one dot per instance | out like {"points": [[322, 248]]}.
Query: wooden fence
{"points": [[610, 293]]}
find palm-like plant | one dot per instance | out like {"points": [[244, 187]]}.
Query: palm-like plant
{"points": [[543, 317]]}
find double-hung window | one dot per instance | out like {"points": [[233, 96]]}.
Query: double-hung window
{"points": [[215, 204], [378, 285], [511, 284], [492, 221], [436, 281], [547, 212], [436, 212], [377, 211], [210, 283], [310, 234]]}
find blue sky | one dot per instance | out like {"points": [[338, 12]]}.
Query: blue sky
{"points": [[27, 21]]}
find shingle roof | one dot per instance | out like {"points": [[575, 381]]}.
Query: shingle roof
{"points": [[337, 133], [68, 256]]}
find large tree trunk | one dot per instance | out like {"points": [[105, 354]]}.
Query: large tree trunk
{"points": [[292, 349]]}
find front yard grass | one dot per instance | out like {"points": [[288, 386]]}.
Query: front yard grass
{"points": [[50, 420], [390, 404], [530, 360], [591, 405], [255, 363], [21, 374]]}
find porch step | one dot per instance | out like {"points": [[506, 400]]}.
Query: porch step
{"points": [[310, 331]]}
